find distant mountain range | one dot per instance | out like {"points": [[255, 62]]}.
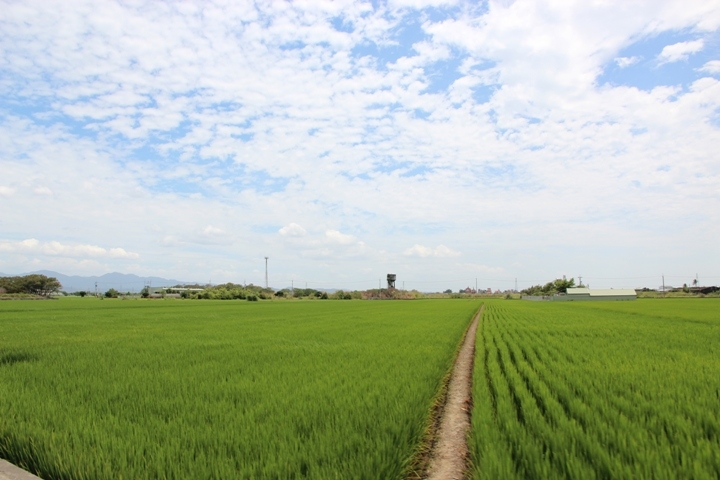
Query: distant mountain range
{"points": [[119, 281]]}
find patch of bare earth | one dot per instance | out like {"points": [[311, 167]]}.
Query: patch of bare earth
{"points": [[8, 471], [449, 454]]}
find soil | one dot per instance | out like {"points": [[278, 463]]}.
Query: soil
{"points": [[8, 471], [449, 456]]}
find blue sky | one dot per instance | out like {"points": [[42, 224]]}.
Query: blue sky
{"points": [[441, 141]]}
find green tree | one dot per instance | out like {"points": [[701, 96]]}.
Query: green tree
{"points": [[559, 285], [112, 293], [34, 284]]}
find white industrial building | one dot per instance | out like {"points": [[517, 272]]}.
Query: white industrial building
{"points": [[585, 294]]}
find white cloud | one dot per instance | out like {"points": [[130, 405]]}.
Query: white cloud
{"points": [[53, 248], [120, 253], [292, 230], [211, 231], [680, 51], [42, 190], [474, 268], [171, 241], [334, 236], [624, 62], [207, 235], [443, 251], [713, 66], [419, 251], [190, 137], [420, 4], [423, 252]]}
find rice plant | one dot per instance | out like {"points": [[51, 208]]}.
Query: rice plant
{"points": [[186, 389], [598, 390]]}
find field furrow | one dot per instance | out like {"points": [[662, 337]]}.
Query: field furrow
{"points": [[599, 390]]}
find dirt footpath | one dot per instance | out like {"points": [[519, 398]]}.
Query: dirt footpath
{"points": [[449, 457], [8, 471]]}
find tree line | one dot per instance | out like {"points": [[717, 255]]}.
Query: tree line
{"points": [[559, 285], [34, 284]]}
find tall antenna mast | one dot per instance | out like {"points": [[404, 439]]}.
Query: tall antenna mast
{"points": [[266, 275]]}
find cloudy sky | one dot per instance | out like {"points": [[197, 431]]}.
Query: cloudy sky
{"points": [[441, 141]]}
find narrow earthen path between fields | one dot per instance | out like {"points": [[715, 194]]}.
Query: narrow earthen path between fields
{"points": [[8, 471], [449, 455]]}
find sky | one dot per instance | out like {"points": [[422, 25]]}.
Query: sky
{"points": [[452, 143]]}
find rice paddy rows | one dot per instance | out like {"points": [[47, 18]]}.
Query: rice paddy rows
{"points": [[136, 389], [611, 390]]}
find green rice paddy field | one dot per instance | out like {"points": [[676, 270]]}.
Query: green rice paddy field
{"points": [[598, 390], [210, 389], [328, 389]]}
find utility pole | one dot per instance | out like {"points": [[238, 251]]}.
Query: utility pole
{"points": [[580, 279], [96, 289], [292, 288], [663, 278], [516, 285], [266, 275]]}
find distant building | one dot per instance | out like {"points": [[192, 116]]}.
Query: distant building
{"points": [[160, 290], [585, 294]]}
